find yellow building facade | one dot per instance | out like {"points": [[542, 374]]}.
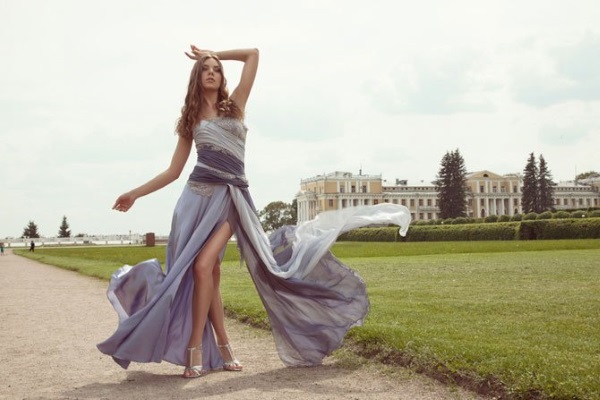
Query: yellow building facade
{"points": [[488, 194]]}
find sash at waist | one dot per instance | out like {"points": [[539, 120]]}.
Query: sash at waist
{"points": [[216, 166], [207, 175]]}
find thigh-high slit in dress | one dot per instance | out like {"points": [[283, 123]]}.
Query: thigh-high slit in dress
{"points": [[311, 298]]}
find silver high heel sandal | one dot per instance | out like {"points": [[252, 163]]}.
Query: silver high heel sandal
{"points": [[230, 362], [191, 370]]}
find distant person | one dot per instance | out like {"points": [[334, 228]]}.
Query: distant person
{"points": [[32, 246], [1, 249], [311, 298]]}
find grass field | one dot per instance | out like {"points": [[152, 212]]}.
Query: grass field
{"points": [[517, 319]]}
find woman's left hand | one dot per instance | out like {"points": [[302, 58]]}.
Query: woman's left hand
{"points": [[197, 53]]}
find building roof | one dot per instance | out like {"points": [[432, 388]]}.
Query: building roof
{"points": [[485, 174]]}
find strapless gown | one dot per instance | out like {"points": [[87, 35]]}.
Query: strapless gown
{"points": [[311, 298]]}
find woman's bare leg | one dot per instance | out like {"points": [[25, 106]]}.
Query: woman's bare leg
{"points": [[217, 319], [216, 313], [204, 285]]}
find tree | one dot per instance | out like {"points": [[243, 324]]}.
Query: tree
{"points": [[529, 198], [63, 230], [275, 215], [294, 212], [538, 187], [545, 187], [586, 175], [451, 186], [30, 231]]}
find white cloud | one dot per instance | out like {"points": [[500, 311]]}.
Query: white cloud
{"points": [[441, 83], [558, 74], [91, 92]]}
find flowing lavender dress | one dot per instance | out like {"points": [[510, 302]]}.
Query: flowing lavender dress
{"points": [[311, 298]]}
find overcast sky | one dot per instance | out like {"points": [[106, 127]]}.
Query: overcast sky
{"points": [[91, 90]]}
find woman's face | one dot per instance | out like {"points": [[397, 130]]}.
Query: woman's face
{"points": [[211, 74]]}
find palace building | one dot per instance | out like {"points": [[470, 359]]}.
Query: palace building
{"points": [[488, 194]]}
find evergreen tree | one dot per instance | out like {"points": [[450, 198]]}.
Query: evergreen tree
{"points": [[451, 185], [545, 187], [63, 230], [30, 231], [294, 212], [529, 199]]}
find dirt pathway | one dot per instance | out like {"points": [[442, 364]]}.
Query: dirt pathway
{"points": [[51, 320]]}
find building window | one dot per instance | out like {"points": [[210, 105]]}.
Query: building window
{"points": [[429, 202], [429, 216], [330, 203], [515, 189], [565, 202], [403, 202], [353, 189], [412, 202], [482, 202], [364, 188], [502, 189], [420, 203], [344, 203], [395, 201], [481, 189], [494, 189], [421, 216], [515, 202], [355, 202], [375, 201], [342, 189], [367, 202]]}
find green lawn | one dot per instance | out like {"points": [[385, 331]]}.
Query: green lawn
{"points": [[520, 317]]}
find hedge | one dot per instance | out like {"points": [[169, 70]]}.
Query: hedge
{"points": [[485, 231], [371, 235], [572, 228]]}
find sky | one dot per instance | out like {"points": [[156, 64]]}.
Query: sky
{"points": [[91, 91]]}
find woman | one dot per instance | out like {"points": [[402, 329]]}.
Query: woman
{"points": [[310, 297]]}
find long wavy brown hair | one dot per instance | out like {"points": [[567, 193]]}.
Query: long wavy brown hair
{"points": [[191, 111]]}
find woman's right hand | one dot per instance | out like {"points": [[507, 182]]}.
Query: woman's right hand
{"points": [[124, 202], [197, 53]]}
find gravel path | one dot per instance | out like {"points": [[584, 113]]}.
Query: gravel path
{"points": [[52, 320]]}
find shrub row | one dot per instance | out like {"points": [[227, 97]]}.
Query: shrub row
{"points": [[588, 228], [517, 217], [572, 228], [371, 235], [469, 232]]}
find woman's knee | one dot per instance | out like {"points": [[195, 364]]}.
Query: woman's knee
{"points": [[203, 268], [207, 262]]}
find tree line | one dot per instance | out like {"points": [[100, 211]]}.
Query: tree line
{"points": [[451, 185], [537, 194], [31, 230]]}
